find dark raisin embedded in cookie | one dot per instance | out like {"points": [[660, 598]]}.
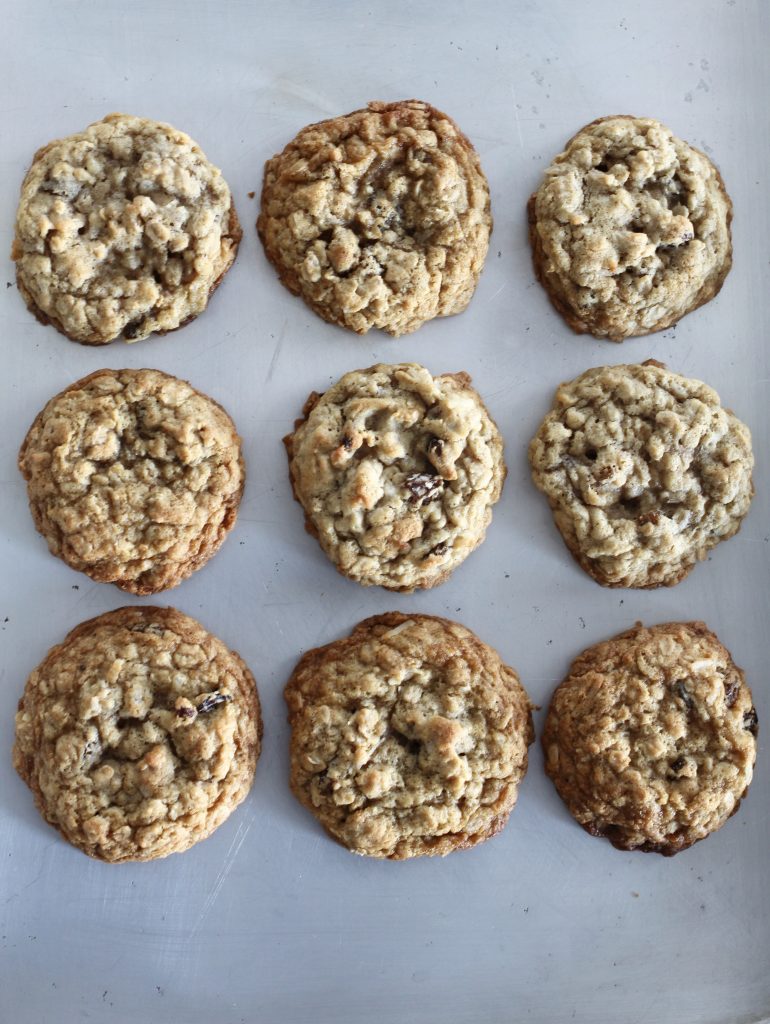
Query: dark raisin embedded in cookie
{"points": [[424, 487]]}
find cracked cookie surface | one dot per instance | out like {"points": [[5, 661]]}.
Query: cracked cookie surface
{"points": [[397, 472], [409, 737], [139, 734], [379, 218], [124, 229], [630, 229], [133, 477], [644, 471], [651, 738]]}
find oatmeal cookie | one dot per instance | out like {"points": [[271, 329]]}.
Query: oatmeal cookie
{"points": [[139, 734], [630, 229], [409, 737], [651, 738], [380, 218], [133, 477], [397, 472], [124, 229], [644, 470]]}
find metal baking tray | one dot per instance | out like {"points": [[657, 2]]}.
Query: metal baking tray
{"points": [[268, 920]]}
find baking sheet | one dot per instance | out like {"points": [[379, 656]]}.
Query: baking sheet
{"points": [[270, 921]]}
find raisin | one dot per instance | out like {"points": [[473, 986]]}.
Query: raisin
{"points": [[131, 330], [425, 487], [212, 701], [751, 722], [186, 712], [731, 692], [347, 442], [683, 695], [679, 764]]}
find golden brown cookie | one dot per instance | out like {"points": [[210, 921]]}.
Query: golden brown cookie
{"points": [[644, 471], [397, 472], [379, 218], [124, 229], [651, 738], [630, 229], [139, 734], [133, 477], [409, 737]]}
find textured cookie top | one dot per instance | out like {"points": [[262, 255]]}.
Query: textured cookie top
{"points": [[124, 228], [651, 738], [379, 218], [644, 470], [139, 734], [397, 471], [409, 737], [631, 228], [133, 477]]}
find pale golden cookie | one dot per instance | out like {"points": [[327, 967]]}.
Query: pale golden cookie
{"points": [[124, 229], [409, 737], [139, 734], [651, 738], [379, 218], [630, 229], [397, 472], [133, 477], [645, 472]]}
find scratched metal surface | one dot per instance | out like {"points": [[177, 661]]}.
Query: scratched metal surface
{"points": [[269, 921]]}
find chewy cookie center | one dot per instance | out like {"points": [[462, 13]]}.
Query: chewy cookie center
{"points": [[134, 469], [126, 214], [635, 225], [390, 212], [408, 756], [401, 473], [141, 725]]}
